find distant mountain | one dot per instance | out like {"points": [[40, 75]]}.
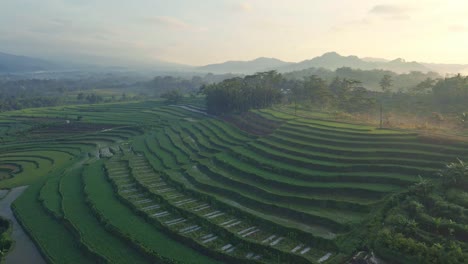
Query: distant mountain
{"points": [[259, 64], [448, 68], [333, 60], [330, 60], [13, 63], [372, 59]]}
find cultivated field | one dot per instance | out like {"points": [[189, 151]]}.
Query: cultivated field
{"points": [[144, 182]]}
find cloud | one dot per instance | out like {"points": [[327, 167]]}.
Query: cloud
{"points": [[391, 12], [388, 10], [458, 28], [242, 7], [172, 23], [351, 25]]}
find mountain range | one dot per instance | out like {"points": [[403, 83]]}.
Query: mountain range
{"points": [[331, 60]]}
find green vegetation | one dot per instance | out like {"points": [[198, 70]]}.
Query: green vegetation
{"points": [[149, 182], [110, 210]]}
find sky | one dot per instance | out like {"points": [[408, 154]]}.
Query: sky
{"points": [[199, 32]]}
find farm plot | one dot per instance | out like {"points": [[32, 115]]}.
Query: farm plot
{"points": [[218, 218], [56, 243], [169, 183], [158, 207], [88, 228], [145, 236]]}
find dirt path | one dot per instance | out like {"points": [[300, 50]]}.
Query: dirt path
{"points": [[24, 250]]}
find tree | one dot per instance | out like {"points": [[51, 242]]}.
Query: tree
{"points": [[385, 83], [317, 91], [172, 97], [425, 86], [455, 173], [238, 94]]}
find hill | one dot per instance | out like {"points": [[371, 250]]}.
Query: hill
{"points": [[259, 64], [14, 63], [330, 61]]}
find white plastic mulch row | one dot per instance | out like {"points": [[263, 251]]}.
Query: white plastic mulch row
{"points": [[251, 232], [208, 238], [143, 201], [179, 221], [233, 224], [252, 255], [228, 222], [268, 239], [231, 250], [151, 207], [184, 201], [297, 248], [305, 250], [201, 207], [160, 214], [324, 258], [246, 230], [226, 247], [173, 196], [216, 215], [211, 213], [190, 229], [274, 243]]}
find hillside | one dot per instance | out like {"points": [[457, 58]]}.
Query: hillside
{"points": [[259, 64], [159, 181], [14, 63]]}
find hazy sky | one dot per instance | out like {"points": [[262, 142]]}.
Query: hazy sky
{"points": [[199, 32]]}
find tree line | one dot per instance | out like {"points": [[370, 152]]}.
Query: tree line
{"points": [[265, 89]]}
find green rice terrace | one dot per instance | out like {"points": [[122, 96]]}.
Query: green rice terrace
{"points": [[147, 182]]}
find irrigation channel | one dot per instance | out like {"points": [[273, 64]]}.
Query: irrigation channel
{"points": [[24, 250]]}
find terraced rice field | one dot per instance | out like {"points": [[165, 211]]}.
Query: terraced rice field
{"points": [[145, 182]]}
